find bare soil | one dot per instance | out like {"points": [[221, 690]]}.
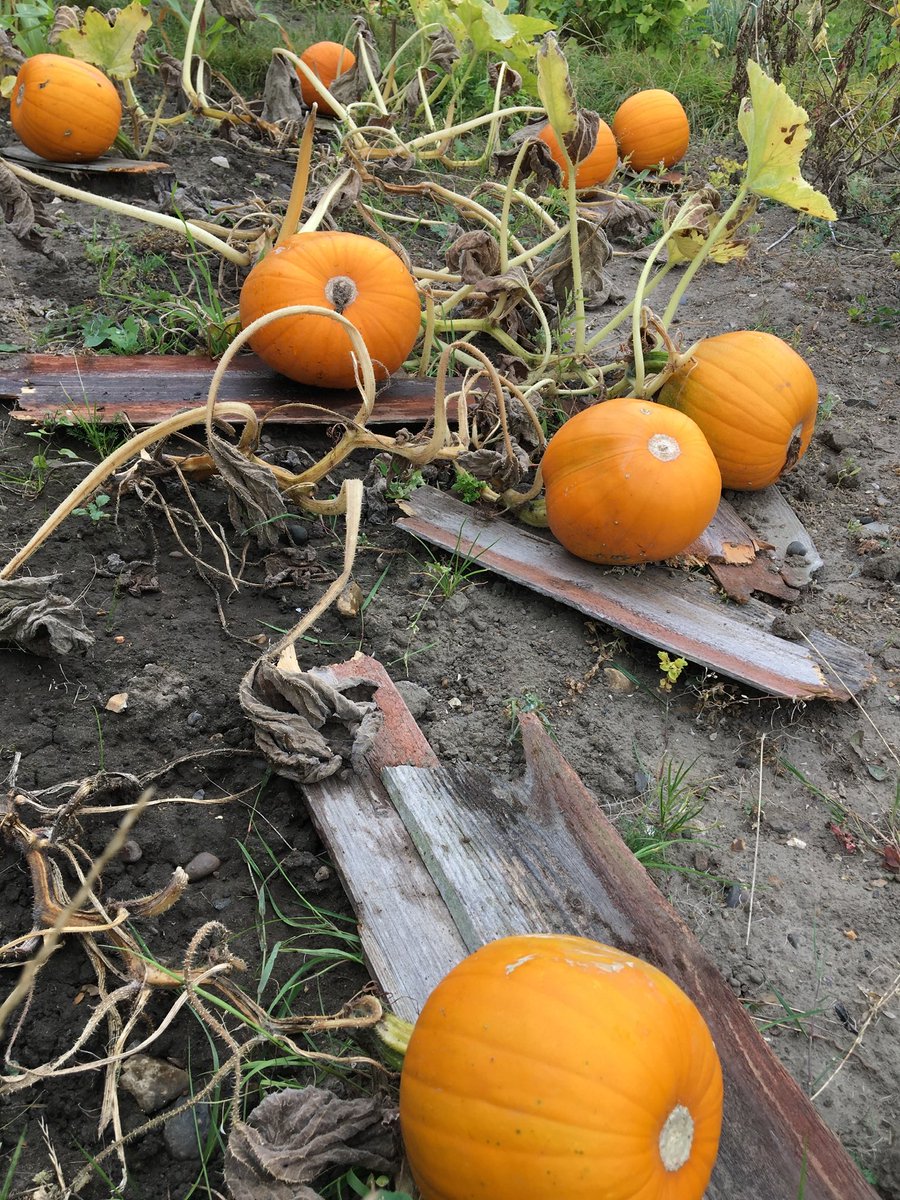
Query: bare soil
{"points": [[821, 949]]}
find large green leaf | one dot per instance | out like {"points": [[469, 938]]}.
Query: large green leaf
{"points": [[110, 47], [776, 132]]}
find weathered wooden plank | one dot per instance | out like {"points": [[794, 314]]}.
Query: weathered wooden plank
{"points": [[770, 515], [671, 609], [408, 937], [109, 164], [148, 388], [543, 857]]}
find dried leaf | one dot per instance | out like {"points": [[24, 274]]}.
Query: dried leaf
{"points": [[281, 93], [40, 620], [353, 84], [304, 726], [297, 1135], [555, 87], [537, 162], [474, 255], [114, 47], [65, 17], [622, 218], [344, 199], [255, 504], [695, 224], [776, 131], [10, 55], [595, 252], [235, 11], [582, 139], [444, 52], [891, 858], [512, 80], [494, 468], [23, 219], [350, 601]]}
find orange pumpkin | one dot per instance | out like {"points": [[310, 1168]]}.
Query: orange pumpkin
{"points": [[651, 128], [63, 109], [354, 275], [625, 483], [595, 168], [326, 60], [756, 401], [556, 1066]]}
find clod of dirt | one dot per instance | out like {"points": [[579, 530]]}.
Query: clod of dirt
{"points": [[153, 1082]]}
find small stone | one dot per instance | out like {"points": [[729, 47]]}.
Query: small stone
{"points": [[454, 702], [701, 860], [617, 682], [885, 566], [778, 820], [194, 719], [756, 976], [797, 548], [786, 627], [200, 794], [185, 1133], [131, 851], [322, 874], [417, 698], [794, 940], [152, 1082], [176, 554], [202, 865], [796, 843], [738, 846], [297, 532], [219, 160], [735, 896]]}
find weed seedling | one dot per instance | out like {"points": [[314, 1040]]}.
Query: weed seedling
{"points": [[671, 669], [527, 702], [671, 805], [94, 508]]}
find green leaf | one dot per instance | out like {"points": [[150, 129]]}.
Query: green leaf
{"points": [[110, 47], [555, 87], [776, 132]]}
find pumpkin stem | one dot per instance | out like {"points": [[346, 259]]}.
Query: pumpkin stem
{"points": [[676, 1138], [340, 291]]}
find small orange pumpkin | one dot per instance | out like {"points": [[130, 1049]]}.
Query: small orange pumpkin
{"points": [[547, 1065], [63, 109], [651, 128], [357, 276], [326, 60], [756, 401], [595, 168], [626, 484]]}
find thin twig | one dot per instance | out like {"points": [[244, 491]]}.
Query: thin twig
{"points": [[762, 746]]}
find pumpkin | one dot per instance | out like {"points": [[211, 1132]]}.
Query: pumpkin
{"points": [[595, 168], [63, 109], [546, 1065], [754, 397], [326, 60], [354, 275], [651, 128], [625, 483]]}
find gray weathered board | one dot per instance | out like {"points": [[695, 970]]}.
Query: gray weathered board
{"points": [[675, 610], [436, 861]]}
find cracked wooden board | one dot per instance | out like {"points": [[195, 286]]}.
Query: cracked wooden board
{"points": [[674, 610], [491, 857], [148, 388]]}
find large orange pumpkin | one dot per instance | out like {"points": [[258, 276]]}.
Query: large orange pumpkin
{"points": [[625, 483], [756, 401], [326, 60], [651, 127], [354, 275], [554, 1066], [63, 109], [595, 168]]}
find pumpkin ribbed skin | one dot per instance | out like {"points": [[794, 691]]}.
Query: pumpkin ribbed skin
{"points": [[63, 109], [597, 168], [306, 269], [651, 127], [756, 401], [326, 60], [626, 483], [549, 1066]]}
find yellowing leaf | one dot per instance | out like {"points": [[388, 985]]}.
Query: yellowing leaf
{"points": [[555, 86], [776, 132], [688, 243], [110, 47], [7, 86], [693, 223]]}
